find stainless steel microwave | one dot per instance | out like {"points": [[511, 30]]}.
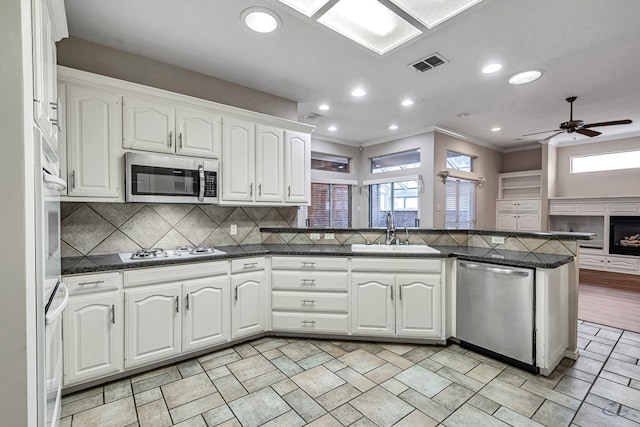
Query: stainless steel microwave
{"points": [[152, 178]]}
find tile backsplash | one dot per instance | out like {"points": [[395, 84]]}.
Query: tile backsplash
{"points": [[107, 228]]}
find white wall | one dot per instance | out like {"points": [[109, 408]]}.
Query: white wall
{"points": [[596, 184], [17, 265]]}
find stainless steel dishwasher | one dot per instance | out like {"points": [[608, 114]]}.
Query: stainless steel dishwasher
{"points": [[495, 311]]}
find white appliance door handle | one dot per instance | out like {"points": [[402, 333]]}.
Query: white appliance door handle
{"points": [[52, 316], [52, 182]]}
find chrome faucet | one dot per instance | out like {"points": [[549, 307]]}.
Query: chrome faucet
{"points": [[391, 230]]}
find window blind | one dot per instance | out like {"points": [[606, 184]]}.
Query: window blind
{"points": [[460, 204]]}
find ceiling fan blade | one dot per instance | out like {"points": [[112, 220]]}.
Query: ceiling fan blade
{"points": [[544, 131], [615, 122], [588, 132]]}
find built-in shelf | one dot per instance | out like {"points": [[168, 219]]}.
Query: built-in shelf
{"points": [[520, 185]]}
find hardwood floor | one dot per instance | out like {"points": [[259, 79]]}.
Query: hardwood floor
{"points": [[611, 299]]}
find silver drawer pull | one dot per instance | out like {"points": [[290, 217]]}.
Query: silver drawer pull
{"points": [[310, 263], [308, 322], [310, 301], [96, 282], [308, 281], [250, 264]]}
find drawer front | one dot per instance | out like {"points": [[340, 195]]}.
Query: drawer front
{"points": [[309, 263], [622, 264], [309, 301], [507, 205], [395, 265], [318, 323], [528, 205], [247, 264], [591, 261], [89, 283], [154, 275], [563, 208], [295, 280], [623, 208]]}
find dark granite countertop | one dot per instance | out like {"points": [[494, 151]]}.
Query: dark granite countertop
{"points": [[100, 263]]}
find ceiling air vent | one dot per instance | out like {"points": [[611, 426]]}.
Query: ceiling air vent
{"points": [[429, 62], [312, 116]]}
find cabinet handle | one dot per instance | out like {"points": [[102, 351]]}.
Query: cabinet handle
{"points": [[308, 322], [170, 139], [235, 292], [391, 293], [95, 282], [289, 191], [180, 139], [113, 314], [310, 301], [186, 301], [307, 222], [260, 190], [251, 190], [400, 292], [250, 264], [177, 304], [309, 281], [311, 263], [54, 105], [73, 179]]}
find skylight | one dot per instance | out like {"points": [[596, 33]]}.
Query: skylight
{"points": [[434, 12]]}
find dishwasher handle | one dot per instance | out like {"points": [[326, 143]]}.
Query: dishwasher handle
{"points": [[497, 270]]}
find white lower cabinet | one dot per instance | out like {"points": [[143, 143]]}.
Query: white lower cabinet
{"points": [[93, 327], [372, 305], [153, 324], [249, 304], [206, 314], [419, 305]]}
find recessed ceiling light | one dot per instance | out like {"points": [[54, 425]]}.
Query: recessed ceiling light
{"points": [[333, 128], [463, 115], [260, 19], [407, 102], [496, 129], [393, 127], [525, 77], [359, 92], [323, 107], [491, 68]]}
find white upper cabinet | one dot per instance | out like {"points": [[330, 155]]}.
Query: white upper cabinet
{"points": [[269, 158], [164, 128], [297, 165], [238, 151], [93, 132]]}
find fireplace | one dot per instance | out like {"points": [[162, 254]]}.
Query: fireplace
{"points": [[624, 235]]}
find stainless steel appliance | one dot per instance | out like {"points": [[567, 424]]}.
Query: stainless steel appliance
{"points": [[495, 311], [151, 178], [159, 253], [51, 295]]}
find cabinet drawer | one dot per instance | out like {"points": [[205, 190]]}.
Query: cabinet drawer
{"points": [[154, 275], [309, 263], [623, 208], [295, 280], [394, 265], [562, 208], [311, 322], [93, 283], [591, 261], [622, 264], [309, 301], [247, 264], [528, 205], [507, 205]]}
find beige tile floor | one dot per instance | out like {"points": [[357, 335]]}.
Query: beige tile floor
{"points": [[294, 382]]}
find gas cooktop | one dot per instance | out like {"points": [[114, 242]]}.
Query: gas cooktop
{"points": [[151, 254]]}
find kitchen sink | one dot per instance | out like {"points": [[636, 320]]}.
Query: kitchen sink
{"points": [[405, 249]]}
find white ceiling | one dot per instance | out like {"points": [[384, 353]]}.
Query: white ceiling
{"points": [[587, 48]]}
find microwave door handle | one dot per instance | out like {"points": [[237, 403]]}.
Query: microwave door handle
{"points": [[201, 175]]}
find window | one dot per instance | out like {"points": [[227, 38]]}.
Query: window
{"points": [[396, 161], [330, 206], [400, 198], [460, 204], [606, 162], [460, 162], [324, 162]]}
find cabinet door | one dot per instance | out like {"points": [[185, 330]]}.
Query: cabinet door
{"points": [[153, 324], [507, 205], [507, 222], [92, 134], [297, 167], [206, 312], [92, 338], [44, 70], [238, 161], [529, 222], [372, 304], [528, 205], [149, 125], [199, 133], [269, 167], [418, 307], [249, 304]]}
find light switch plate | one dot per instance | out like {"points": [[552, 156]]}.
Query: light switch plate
{"points": [[329, 236], [234, 229], [497, 240], [314, 236]]}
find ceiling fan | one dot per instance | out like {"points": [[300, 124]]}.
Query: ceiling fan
{"points": [[578, 126]]}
